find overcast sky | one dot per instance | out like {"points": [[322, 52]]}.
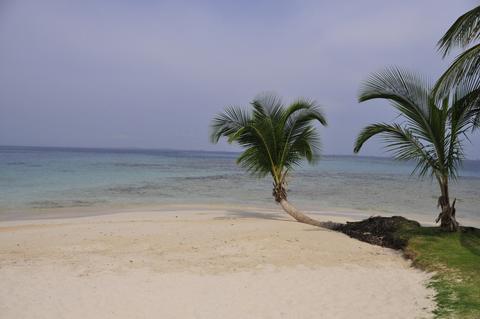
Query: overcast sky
{"points": [[152, 74]]}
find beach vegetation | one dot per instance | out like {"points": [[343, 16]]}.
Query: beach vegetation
{"points": [[428, 131]]}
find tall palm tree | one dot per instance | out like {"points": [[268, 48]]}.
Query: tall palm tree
{"points": [[275, 138], [431, 132]]}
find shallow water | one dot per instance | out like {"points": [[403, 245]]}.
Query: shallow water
{"points": [[34, 180]]}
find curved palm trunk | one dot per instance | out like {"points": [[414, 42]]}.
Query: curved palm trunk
{"points": [[297, 215], [447, 215], [302, 218], [280, 195]]}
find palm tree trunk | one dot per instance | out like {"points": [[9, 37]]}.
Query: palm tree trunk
{"points": [[280, 194], [447, 215], [302, 218]]}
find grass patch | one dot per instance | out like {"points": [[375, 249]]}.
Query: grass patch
{"points": [[454, 257]]}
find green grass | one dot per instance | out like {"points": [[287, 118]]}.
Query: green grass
{"points": [[455, 259]]}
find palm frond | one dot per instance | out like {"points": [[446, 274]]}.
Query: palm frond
{"points": [[406, 89], [464, 102], [475, 114], [465, 65], [306, 144], [462, 32], [306, 109], [402, 143], [267, 104], [408, 93], [254, 161], [298, 119], [229, 123]]}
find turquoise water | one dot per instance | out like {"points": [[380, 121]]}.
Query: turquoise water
{"points": [[35, 180]]}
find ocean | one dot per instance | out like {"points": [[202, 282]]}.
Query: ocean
{"points": [[34, 181]]}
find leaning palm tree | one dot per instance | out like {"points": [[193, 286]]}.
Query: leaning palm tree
{"points": [[275, 139], [431, 133]]}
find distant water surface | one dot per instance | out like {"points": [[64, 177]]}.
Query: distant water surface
{"points": [[34, 180]]}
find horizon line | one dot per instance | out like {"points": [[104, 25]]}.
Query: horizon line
{"points": [[135, 148]]}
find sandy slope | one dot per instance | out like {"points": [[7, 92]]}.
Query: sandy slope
{"points": [[200, 265]]}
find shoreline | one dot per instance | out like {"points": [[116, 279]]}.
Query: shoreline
{"points": [[336, 214], [221, 264], [79, 212]]}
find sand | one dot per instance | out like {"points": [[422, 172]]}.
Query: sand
{"points": [[200, 264]]}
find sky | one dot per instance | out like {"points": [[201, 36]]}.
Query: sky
{"points": [[152, 74]]}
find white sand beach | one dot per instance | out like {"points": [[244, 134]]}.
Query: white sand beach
{"points": [[200, 264]]}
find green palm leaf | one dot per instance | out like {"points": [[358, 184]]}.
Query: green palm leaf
{"points": [[463, 31], [403, 144], [466, 66]]}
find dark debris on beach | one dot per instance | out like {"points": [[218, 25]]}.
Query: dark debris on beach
{"points": [[381, 231]]}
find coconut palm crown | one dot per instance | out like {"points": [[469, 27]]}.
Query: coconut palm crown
{"points": [[431, 132], [275, 138]]}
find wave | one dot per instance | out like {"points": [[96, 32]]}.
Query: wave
{"points": [[62, 204], [142, 165], [210, 177], [138, 190], [16, 163]]}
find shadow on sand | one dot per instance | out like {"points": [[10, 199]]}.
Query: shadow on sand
{"points": [[242, 214], [237, 213]]}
